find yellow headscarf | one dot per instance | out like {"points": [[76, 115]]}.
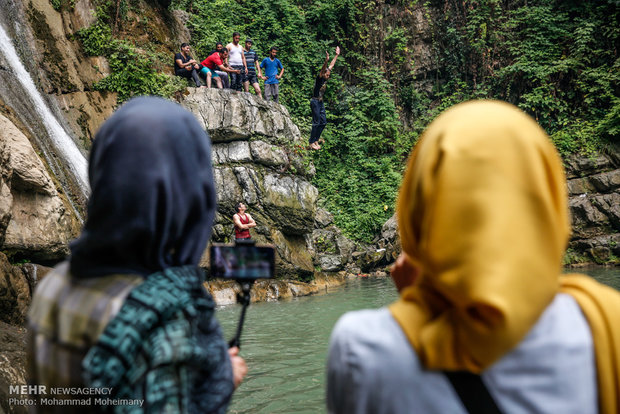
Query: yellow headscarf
{"points": [[483, 216]]}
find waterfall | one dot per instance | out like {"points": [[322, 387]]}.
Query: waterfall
{"points": [[61, 141]]}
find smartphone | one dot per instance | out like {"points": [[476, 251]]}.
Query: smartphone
{"points": [[242, 262]]}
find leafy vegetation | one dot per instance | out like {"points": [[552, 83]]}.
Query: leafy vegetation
{"points": [[360, 165], [134, 71], [555, 59]]}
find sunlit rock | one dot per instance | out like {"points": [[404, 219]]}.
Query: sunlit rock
{"points": [[35, 221]]}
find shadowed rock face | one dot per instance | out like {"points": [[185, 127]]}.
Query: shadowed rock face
{"points": [[593, 185], [16, 286], [594, 190]]}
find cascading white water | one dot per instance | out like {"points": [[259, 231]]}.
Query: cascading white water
{"points": [[61, 141]]}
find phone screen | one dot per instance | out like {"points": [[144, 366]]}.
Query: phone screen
{"points": [[242, 261]]}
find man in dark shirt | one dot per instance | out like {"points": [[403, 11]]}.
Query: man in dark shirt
{"points": [[319, 118], [251, 59], [185, 66]]}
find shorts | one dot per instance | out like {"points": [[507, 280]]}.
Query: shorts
{"points": [[251, 77], [204, 70]]}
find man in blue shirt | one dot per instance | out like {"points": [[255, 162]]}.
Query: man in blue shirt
{"points": [[272, 78]]}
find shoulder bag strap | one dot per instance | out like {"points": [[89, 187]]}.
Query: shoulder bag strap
{"points": [[473, 393]]}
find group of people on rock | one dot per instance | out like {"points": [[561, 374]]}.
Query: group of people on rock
{"points": [[237, 68], [485, 321], [234, 66]]}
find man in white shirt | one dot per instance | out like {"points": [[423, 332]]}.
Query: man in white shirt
{"points": [[236, 59]]}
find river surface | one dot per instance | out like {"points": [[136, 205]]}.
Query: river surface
{"points": [[285, 343]]}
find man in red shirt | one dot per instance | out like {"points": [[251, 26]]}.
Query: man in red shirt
{"points": [[216, 61]]}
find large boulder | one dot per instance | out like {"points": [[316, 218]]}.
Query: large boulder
{"points": [[35, 220], [255, 162], [15, 293], [230, 116]]}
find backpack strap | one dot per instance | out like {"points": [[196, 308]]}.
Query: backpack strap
{"points": [[473, 393]]}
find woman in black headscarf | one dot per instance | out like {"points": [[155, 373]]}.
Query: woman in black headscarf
{"points": [[128, 312]]}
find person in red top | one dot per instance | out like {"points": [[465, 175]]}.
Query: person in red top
{"points": [[213, 62], [243, 223]]}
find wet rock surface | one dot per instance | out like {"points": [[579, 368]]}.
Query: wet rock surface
{"points": [[253, 158], [593, 185], [16, 286], [594, 191], [36, 221], [225, 292], [12, 365]]}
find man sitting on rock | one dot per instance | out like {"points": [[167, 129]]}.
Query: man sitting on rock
{"points": [[243, 223], [185, 66], [223, 75], [216, 61]]}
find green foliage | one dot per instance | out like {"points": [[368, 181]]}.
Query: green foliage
{"points": [[360, 165], [57, 4], [132, 74], [133, 71], [571, 257], [96, 39], [555, 59]]}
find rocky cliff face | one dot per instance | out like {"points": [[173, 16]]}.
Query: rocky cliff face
{"points": [[54, 67], [594, 202], [36, 221], [256, 153], [257, 161], [594, 190]]}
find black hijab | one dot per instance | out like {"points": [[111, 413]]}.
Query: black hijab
{"points": [[153, 197]]}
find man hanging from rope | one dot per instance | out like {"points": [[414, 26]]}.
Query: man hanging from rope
{"points": [[319, 119]]}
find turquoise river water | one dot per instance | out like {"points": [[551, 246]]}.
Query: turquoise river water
{"points": [[285, 343]]}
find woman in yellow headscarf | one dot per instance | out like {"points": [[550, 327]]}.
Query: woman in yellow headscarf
{"points": [[483, 219]]}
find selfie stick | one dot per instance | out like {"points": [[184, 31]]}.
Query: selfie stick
{"points": [[245, 301], [246, 286]]}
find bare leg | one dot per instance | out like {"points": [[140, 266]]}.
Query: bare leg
{"points": [[257, 89], [219, 82], [209, 79], [246, 86]]}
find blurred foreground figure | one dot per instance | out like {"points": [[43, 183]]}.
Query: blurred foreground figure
{"points": [[483, 219], [128, 313]]}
